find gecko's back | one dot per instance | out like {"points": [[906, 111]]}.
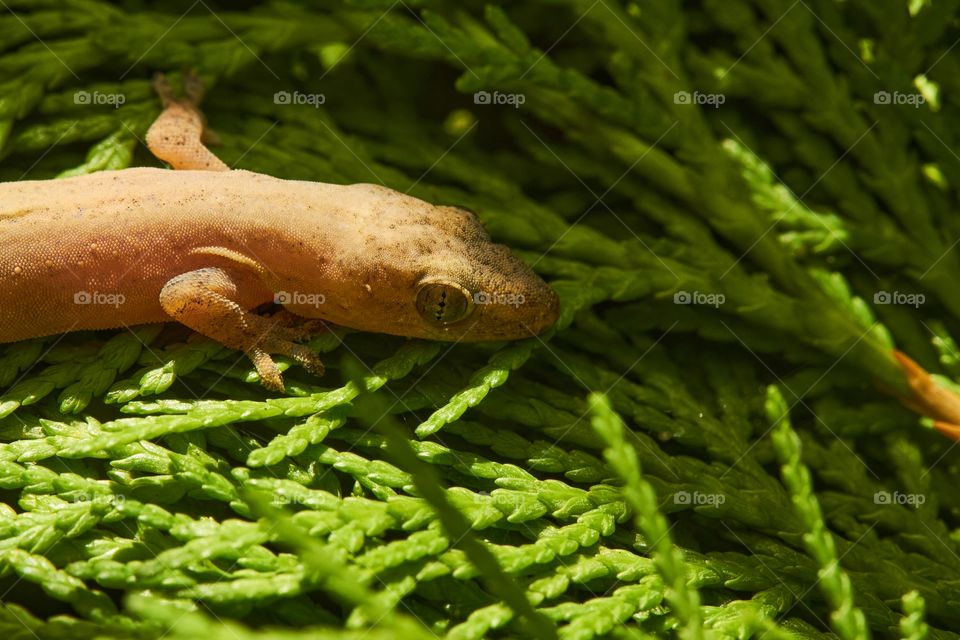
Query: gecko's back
{"points": [[94, 251]]}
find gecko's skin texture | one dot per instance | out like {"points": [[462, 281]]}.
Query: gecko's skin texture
{"points": [[204, 245]]}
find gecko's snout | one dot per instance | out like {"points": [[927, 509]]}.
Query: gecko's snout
{"points": [[512, 302], [542, 312], [549, 314]]}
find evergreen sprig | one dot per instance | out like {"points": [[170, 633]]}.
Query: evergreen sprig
{"points": [[613, 477]]}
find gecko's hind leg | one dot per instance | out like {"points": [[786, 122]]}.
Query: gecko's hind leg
{"points": [[206, 301], [177, 136]]}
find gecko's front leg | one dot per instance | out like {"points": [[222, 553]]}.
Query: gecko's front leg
{"points": [[205, 301], [176, 137]]}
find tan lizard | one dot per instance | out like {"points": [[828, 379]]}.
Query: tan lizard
{"points": [[204, 245]]}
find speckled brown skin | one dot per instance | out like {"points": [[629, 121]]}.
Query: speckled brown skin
{"points": [[204, 245]]}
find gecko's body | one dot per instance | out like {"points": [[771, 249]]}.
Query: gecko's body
{"points": [[205, 245]]}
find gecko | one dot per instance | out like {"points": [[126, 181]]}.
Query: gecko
{"points": [[206, 246]]}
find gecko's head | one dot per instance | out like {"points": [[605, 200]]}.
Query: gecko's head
{"points": [[468, 288], [432, 272]]}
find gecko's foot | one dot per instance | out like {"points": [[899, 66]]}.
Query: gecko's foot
{"points": [[192, 86], [267, 369], [929, 398], [163, 89], [285, 331]]}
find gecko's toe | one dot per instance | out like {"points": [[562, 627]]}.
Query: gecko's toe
{"points": [[192, 86], [162, 86], [308, 360], [271, 383], [267, 369]]}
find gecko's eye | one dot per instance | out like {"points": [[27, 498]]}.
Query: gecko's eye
{"points": [[442, 302]]}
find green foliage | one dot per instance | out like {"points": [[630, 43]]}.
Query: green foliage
{"points": [[846, 619], [744, 206]]}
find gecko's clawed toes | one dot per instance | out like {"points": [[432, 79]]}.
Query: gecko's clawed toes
{"points": [[267, 368]]}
